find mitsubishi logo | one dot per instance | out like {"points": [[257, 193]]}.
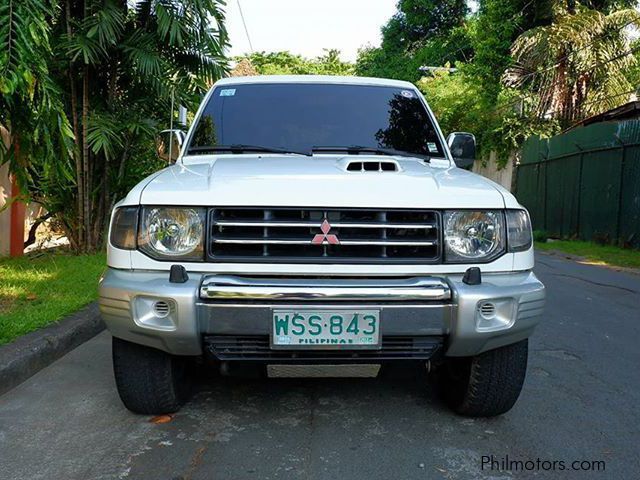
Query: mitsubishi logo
{"points": [[325, 236]]}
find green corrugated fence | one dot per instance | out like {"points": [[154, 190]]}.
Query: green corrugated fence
{"points": [[584, 183]]}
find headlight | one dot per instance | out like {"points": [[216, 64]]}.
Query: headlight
{"points": [[172, 232], [473, 236], [124, 227], [518, 230]]}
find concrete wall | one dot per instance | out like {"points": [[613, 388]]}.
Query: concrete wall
{"points": [[502, 176], [5, 216]]}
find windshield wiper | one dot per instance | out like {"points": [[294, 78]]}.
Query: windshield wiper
{"points": [[241, 148], [357, 149]]}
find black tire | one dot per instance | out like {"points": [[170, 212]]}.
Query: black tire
{"points": [[149, 381], [485, 385]]}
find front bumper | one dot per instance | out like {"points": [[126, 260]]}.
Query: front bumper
{"points": [[469, 319]]}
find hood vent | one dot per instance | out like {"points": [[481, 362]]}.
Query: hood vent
{"points": [[372, 166]]}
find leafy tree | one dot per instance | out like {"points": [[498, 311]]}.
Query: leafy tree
{"points": [[119, 64], [608, 6], [422, 32], [576, 66], [287, 63], [454, 99], [498, 24], [32, 119], [458, 102], [419, 20], [524, 38], [384, 62]]}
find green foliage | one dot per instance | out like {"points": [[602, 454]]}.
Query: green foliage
{"points": [[24, 39], [286, 63], [608, 6], [577, 66], [385, 63], [633, 73], [459, 104], [540, 236], [453, 98], [420, 20], [32, 119], [498, 24], [85, 113], [507, 133], [422, 32], [381, 63], [523, 38]]}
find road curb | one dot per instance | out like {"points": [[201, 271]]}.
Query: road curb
{"points": [[30, 353]]}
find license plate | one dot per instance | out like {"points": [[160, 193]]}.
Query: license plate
{"points": [[325, 329]]}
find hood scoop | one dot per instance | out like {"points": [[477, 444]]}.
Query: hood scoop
{"points": [[372, 166]]}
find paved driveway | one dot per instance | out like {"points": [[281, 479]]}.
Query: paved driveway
{"points": [[580, 402]]}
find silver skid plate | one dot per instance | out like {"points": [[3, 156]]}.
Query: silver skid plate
{"points": [[323, 371]]}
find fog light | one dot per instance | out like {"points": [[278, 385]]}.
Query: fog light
{"points": [[495, 314]]}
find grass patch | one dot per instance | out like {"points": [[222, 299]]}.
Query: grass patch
{"points": [[38, 290], [595, 253]]}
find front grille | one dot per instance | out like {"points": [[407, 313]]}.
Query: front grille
{"points": [[284, 234], [257, 348]]}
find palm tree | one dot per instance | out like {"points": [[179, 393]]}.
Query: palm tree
{"points": [[121, 64], [32, 119], [576, 66], [84, 87]]}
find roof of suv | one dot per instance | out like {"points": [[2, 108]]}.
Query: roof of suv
{"points": [[383, 82]]}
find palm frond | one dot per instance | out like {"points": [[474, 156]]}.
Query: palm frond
{"points": [[141, 50], [24, 35], [576, 65], [103, 134], [106, 25]]}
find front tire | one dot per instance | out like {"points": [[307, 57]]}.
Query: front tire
{"points": [[488, 384], [149, 381]]}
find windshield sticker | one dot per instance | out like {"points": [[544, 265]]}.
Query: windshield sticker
{"points": [[407, 93], [227, 92], [433, 148]]}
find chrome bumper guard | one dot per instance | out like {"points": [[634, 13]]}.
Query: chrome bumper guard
{"points": [[144, 307], [229, 287]]}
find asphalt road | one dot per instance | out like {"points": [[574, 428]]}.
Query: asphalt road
{"points": [[580, 402]]}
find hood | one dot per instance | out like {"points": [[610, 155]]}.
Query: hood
{"points": [[319, 181]]}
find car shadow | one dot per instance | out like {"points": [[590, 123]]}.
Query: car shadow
{"points": [[394, 382]]}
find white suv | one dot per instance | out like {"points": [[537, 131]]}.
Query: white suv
{"points": [[320, 226]]}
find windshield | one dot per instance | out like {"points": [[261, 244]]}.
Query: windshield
{"points": [[299, 117]]}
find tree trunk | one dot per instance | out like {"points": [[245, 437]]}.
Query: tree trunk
{"points": [[88, 241], [76, 133], [98, 220]]}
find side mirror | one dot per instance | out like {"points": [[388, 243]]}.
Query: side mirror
{"points": [[169, 143], [463, 149]]}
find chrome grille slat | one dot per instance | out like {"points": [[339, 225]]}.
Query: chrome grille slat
{"points": [[264, 241], [380, 225], [350, 235]]}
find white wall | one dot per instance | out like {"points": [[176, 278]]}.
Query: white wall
{"points": [[502, 176]]}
